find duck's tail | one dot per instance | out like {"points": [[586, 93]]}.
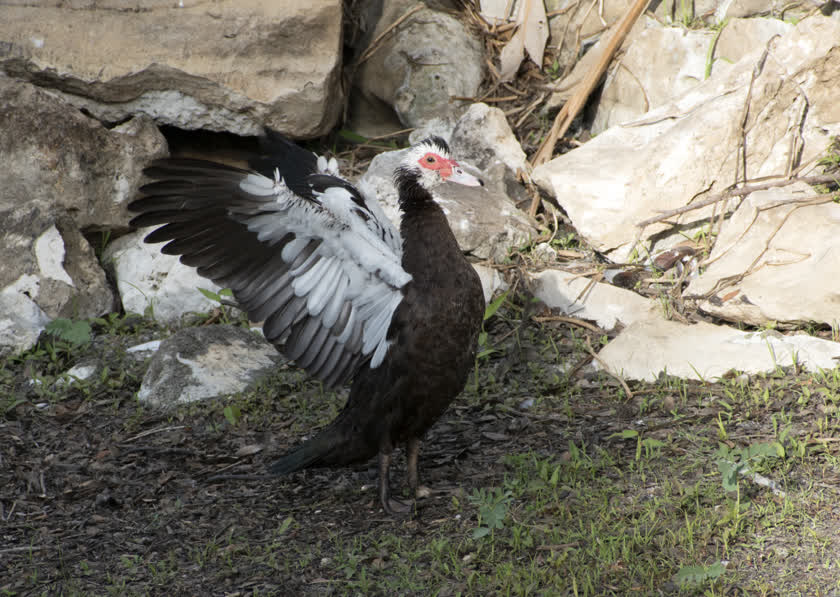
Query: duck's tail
{"points": [[330, 447], [308, 455]]}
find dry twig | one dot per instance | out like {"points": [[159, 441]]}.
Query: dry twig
{"points": [[377, 43], [573, 321], [573, 106], [739, 192], [730, 280]]}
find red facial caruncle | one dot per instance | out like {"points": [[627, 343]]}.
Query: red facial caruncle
{"points": [[449, 170], [432, 161]]}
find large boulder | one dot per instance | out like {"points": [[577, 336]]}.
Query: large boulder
{"points": [[432, 58], [224, 66]]}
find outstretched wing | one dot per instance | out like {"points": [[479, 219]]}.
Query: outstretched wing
{"points": [[320, 265]]}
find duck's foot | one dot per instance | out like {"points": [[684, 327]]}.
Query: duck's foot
{"points": [[395, 507], [392, 506]]}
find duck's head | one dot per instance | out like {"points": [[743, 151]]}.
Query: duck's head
{"points": [[429, 164]]}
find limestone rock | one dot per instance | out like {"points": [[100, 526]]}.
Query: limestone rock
{"points": [[56, 160], [740, 36], [484, 220], [646, 78], [432, 58], [650, 347], [63, 173], [150, 282], [21, 319], [776, 259], [47, 270], [483, 138], [576, 296], [687, 149], [574, 24], [224, 66], [491, 281], [715, 11], [198, 363]]}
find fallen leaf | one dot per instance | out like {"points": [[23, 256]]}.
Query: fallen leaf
{"points": [[496, 437], [536, 31], [248, 450], [511, 56], [531, 36]]}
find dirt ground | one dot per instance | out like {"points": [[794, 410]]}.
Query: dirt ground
{"points": [[100, 495]]}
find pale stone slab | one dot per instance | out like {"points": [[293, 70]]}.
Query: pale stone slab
{"points": [[577, 296], [704, 351], [200, 363], [776, 259]]}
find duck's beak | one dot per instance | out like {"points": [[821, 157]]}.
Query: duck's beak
{"points": [[460, 176]]}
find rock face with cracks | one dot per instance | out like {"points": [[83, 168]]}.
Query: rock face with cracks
{"points": [[688, 148], [65, 180], [227, 66]]}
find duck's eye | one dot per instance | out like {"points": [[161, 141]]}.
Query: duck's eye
{"points": [[430, 159]]}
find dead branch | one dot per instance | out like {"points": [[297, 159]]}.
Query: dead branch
{"points": [[572, 321]]}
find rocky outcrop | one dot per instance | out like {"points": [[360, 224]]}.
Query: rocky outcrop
{"points": [[227, 66], [767, 116], [689, 148], [63, 174]]}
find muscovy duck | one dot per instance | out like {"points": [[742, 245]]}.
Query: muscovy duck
{"points": [[341, 291]]}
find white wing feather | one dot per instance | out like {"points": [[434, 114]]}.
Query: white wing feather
{"points": [[358, 261]]}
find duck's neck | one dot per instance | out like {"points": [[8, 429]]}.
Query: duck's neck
{"points": [[429, 247]]}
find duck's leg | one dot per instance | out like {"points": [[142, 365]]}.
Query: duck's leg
{"points": [[391, 505], [412, 455]]}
